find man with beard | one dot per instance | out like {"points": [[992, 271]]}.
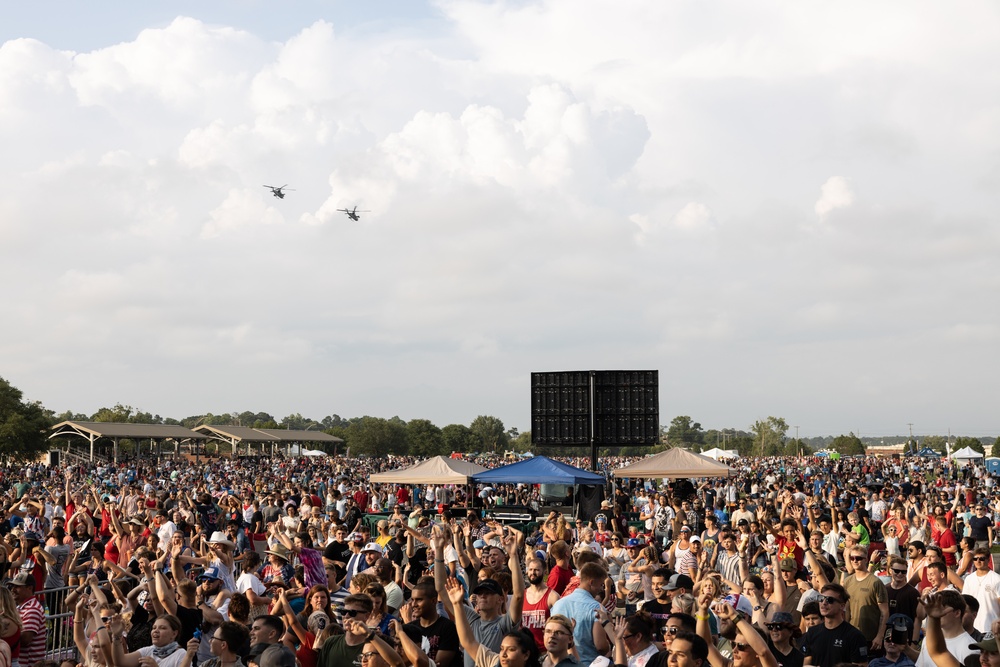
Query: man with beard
{"points": [[538, 601]]}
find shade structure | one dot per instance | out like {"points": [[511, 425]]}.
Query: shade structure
{"points": [[966, 454], [438, 470], [715, 453], [539, 470], [674, 463]]}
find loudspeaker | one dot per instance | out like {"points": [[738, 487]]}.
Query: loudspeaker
{"points": [[54, 457], [623, 406]]}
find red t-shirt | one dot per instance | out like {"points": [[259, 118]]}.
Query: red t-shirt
{"points": [[945, 540], [559, 578], [789, 549], [306, 654]]}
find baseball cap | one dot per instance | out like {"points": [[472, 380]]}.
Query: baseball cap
{"points": [[696, 539], [789, 565], [634, 542], [742, 522], [679, 581], [988, 643], [372, 546], [22, 579], [317, 622], [211, 572], [488, 586], [479, 544]]}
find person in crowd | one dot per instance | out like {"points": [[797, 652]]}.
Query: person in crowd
{"points": [[835, 641]]}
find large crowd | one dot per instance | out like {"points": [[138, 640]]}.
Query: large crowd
{"points": [[303, 562]]}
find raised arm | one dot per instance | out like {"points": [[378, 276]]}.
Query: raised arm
{"points": [[414, 654], [455, 595], [937, 649], [512, 543]]}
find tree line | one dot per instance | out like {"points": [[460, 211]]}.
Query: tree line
{"points": [[24, 426], [768, 437]]}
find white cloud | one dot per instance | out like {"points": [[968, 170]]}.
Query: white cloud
{"points": [[240, 211], [835, 194], [550, 185]]}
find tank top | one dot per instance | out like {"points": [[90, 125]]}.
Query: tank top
{"points": [[534, 617]]}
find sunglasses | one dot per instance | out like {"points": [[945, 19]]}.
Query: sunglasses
{"points": [[105, 619], [774, 627], [351, 612], [671, 630], [857, 558], [895, 571], [980, 559], [829, 600], [741, 647]]}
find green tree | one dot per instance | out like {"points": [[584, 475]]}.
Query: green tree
{"points": [[460, 438], [22, 425], [684, 430], [491, 433], [935, 442], [996, 448], [376, 437], [769, 436], [119, 414], [522, 443], [70, 416], [742, 443], [425, 438], [848, 445], [975, 443], [297, 422]]}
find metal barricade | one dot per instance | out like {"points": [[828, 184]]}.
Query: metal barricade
{"points": [[59, 643]]}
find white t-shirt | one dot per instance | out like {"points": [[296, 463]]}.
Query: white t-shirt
{"points": [[985, 589], [166, 531], [957, 646], [248, 582]]}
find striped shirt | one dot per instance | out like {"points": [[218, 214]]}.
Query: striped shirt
{"points": [[33, 619]]}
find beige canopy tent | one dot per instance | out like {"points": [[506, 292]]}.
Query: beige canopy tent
{"points": [[674, 463], [438, 470]]}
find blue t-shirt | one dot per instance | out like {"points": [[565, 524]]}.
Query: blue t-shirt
{"points": [[580, 605]]}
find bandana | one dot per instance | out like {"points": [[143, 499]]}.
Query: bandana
{"points": [[164, 651]]}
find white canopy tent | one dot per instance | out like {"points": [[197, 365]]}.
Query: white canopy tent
{"points": [[436, 470], [297, 450], [966, 454], [716, 453]]}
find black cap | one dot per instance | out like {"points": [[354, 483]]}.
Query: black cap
{"points": [[488, 586]]}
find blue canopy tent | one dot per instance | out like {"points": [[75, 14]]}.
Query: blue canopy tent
{"points": [[928, 453], [541, 470]]}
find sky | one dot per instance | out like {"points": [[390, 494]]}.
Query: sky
{"points": [[786, 208]]}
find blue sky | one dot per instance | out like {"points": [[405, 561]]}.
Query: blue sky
{"points": [[85, 26], [787, 209]]}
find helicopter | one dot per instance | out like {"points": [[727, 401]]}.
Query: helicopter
{"points": [[353, 215], [279, 192]]}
